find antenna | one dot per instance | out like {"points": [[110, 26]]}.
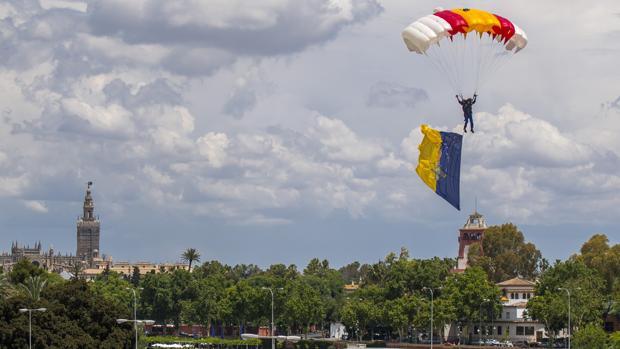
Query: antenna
{"points": [[476, 203]]}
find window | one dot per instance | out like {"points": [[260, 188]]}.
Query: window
{"points": [[512, 295], [507, 315], [520, 331], [499, 330], [529, 330]]}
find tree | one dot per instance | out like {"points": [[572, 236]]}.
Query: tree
{"points": [[22, 270], [550, 305], [76, 270], [5, 286], [470, 293], [33, 287], [614, 340], [303, 305], [75, 318], [598, 255], [190, 255], [135, 276], [351, 272], [504, 254], [591, 336]]}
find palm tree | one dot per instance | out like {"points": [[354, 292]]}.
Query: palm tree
{"points": [[5, 286], [33, 287], [190, 255]]}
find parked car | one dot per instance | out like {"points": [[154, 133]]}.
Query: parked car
{"points": [[492, 342], [521, 344], [507, 344]]}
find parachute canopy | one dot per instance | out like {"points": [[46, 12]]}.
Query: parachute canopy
{"points": [[439, 164], [466, 58]]}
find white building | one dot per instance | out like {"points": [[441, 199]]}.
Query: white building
{"points": [[513, 323]]}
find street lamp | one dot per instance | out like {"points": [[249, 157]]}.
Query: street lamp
{"points": [[568, 292], [273, 340], [23, 310], [480, 328], [432, 297], [135, 312]]}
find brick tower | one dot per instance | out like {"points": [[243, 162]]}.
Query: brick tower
{"points": [[472, 232]]}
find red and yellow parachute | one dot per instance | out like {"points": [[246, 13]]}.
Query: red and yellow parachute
{"points": [[467, 59]]}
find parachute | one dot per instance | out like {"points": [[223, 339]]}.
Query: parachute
{"points": [[466, 59], [439, 164]]}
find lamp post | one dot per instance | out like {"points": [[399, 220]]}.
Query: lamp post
{"points": [[480, 328], [432, 300], [273, 340], [568, 292], [24, 310], [135, 312]]}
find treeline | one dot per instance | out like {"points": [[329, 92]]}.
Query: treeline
{"points": [[393, 298]]}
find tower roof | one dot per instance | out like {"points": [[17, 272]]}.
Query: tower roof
{"points": [[475, 221]]}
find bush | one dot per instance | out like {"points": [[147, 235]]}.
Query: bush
{"points": [[614, 340], [591, 336], [313, 344]]}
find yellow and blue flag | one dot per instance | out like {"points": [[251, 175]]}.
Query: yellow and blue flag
{"points": [[439, 164]]}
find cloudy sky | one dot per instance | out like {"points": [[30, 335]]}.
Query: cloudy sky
{"points": [[279, 130]]}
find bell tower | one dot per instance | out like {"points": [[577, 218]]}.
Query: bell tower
{"points": [[88, 230], [472, 232]]}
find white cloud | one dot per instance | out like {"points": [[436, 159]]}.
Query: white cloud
{"points": [[512, 137], [340, 143], [36, 206], [213, 147]]}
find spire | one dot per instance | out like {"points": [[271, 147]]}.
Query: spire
{"points": [[475, 221], [89, 205]]}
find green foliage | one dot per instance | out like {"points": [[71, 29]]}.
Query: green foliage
{"points": [[550, 305], [75, 318], [506, 254], [472, 295], [312, 344], [598, 255], [591, 336], [190, 255], [5, 286], [32, 287], [304, 305], [614, 340], [113, 288], [209, 340], [22, 270]]}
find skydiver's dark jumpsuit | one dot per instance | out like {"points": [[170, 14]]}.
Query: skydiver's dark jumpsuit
{"points": [[466, 104]]}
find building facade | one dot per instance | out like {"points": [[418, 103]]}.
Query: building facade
{"points": [[513, 323]]}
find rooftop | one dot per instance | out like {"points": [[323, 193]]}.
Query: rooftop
{"points": [[517, 282]]}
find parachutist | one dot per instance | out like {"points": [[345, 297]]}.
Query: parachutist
{"points": [[467, 113]]}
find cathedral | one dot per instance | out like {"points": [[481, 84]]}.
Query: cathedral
{"points": [[87, 253]]}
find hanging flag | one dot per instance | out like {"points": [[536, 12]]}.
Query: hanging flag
{"points": [[439, 164]]}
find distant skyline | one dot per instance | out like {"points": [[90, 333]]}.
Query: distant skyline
{"points": [[267, 132]]}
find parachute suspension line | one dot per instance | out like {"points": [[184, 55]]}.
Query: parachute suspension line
{"points": [[446, 64], [499, 57], [433, 58], [461, 53], [480, 62], [493, 56]]}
